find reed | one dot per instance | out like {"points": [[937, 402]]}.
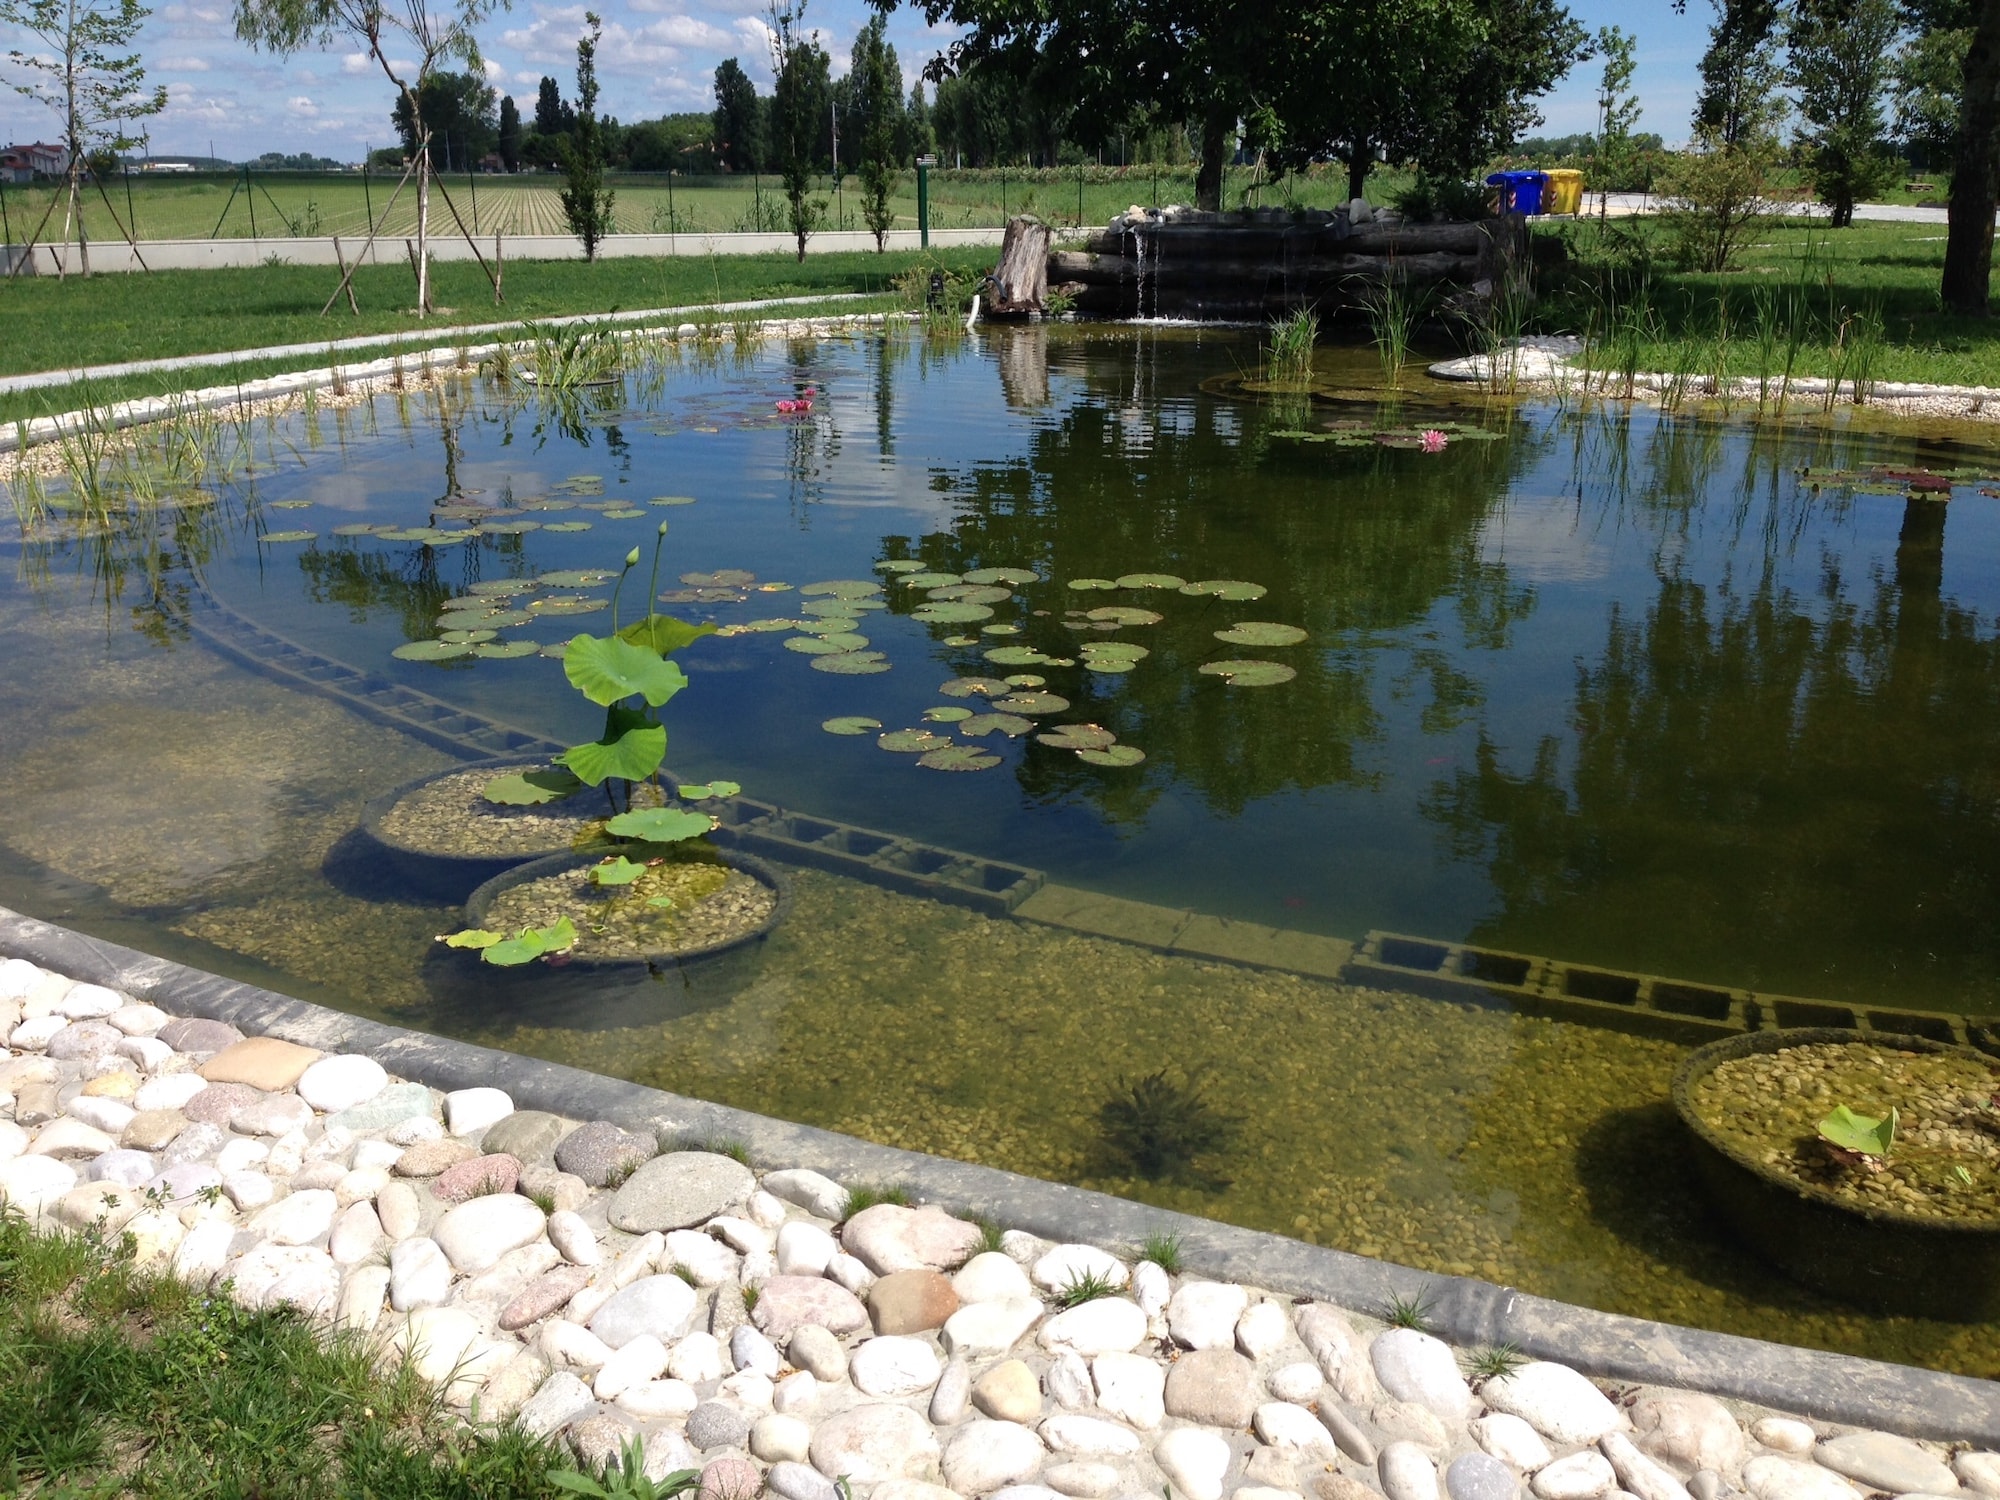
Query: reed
{"points": [[1288, 356]]}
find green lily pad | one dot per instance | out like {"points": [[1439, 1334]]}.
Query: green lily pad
{"points": [[361, 528], [1108, 665], [507, 528], [947, 612], [1017, 656], [1031, 703], [566, 606], [1248, 673], [1150, 581], [852, 663], [660, 825], [1226, 588], [671, 500], [825, 645], [961, 640], [507, 650], [502, 619], [929, 580], [900, 565], [1026, 680], [474, 938], [567, 526], [1093, 583], [912, 740], [623, 513], [1000, 629], [290, 536], [556, 650], [575, 578], [1078, 737], [467, 637], [967, 687], [949, 713], [531, 788], [1261, 633], [1113, 755], [721, 578], [690, 792], [1011, 725], [542, 503], [850, 724], [1002, 575], [958, 758], [1093, 651], [766, 627], [431, 650], [289, 504], [829, 607], [700, 596], [503, 586], [843, 588], [972, 593], [1125, 614]]}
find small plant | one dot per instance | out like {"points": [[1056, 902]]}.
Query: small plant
{"points": [[1409, 1312], [1164, 1251], [1393, 316], [990, 1235], [1859, 1140], [736, 1151], [626, 1479], [750, 1296], [1495, 1362], [683, 1272], [1086, 1286], [620, 1173], [543, 1199], [1159, 1129], [1289, 355], [859, 1198]]}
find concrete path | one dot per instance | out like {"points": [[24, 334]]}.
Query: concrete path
{"points": [[1626, 204]]}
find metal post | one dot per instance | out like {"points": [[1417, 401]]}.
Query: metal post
{"points": [[924, 165]]}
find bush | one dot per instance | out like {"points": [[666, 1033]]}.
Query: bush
{"points": [[1716, 198], [1450, 200]]}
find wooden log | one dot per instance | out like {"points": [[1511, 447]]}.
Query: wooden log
{"points": [[1321, 271], [1170, 241], [1021, 281]]}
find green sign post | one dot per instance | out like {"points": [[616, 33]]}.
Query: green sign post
{"points": [[924, 165]]}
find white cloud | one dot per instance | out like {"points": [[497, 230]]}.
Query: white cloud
{"points": [[301, 105], [188, 64]]}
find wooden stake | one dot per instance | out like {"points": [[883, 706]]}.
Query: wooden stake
{"points": [[366, 245], [340, 259], [499, 269]]}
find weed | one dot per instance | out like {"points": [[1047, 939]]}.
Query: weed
{"points": [[626, 1479], [735, 1150], [487, 1187], [677, 1269], [1160, 1129], [1409, 1312], [1085, 1286], [1393, 316], [1289, 355], [1164, 1251], [620, 1173], [859, 1198], [1495, 1362], [750, 1297], [990, 1235], [543, 1199]]}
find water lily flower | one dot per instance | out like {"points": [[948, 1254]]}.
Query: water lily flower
{"points": [[1433, 440]]}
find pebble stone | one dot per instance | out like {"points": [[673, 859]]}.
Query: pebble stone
{"points": [[600, 1151], [679, 1190], [1480, 1476], [1880, 1461], [816, 1351], [1551, 1398]]}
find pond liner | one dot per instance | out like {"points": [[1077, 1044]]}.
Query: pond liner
{"points": [[1829, 1387]]}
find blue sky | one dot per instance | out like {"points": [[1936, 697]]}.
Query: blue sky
{"points": [[658, 56]]}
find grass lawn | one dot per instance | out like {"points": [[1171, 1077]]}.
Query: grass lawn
{"points": [[1862, 298], [114, 1382]]}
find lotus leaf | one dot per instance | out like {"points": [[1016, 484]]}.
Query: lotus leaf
{"points": [[660, 825], [531, 788], [671, 500], [289, 504], [1026, 680], [618, 870], [1261, 633], [947, 612], [958, 758], [1017, 656], [1226, 588], [360, 528], [576, 578], [850, 724], [289, 536], [721, 578], [1249, 673], [1000, 629], [929, 580], [432, 650], [911, 740], [713, 789], [1031, 703], [972, 593], [843, 588], [507, 528], [852, 663], [826, 645], [950, 713], [631, 749], [1078, 737], [533, 943], [502, 586], [566, 606], [767, 627], [556, 650], [1094, 651], [966, 687], [961, 640], [1002, 575], [1113, 755], [1863, 1133], [663, 634], [472, 937], [467, 637], [507, 650], [567, 526], [900, 565], [606, 668], [623, 513], [1108, 665], [1150, 581], [1125, 614], [1011, 725], [700, 596], [1093, 583]]}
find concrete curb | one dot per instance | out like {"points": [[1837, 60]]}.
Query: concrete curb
{"points": [[1831, 1387]]}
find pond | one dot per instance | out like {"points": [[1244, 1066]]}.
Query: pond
{"points": [[1688, 695]]}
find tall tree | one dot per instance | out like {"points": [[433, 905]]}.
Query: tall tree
{"points": [[875, 81], [96, 88], [286, 26], [1617, 106], [1740, 74], [458, 123], [739, 123], [553, 117], [586, 201], [1975, 178], [509, 142], [1928, 76], [918, 138], [1840, 53], [799, 97]]}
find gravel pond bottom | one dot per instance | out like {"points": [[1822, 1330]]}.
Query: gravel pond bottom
{"points": [[164, 798]]}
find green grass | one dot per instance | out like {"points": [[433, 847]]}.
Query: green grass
{"points": [[117, 1382], [1164, 1251], [859, 1198]]}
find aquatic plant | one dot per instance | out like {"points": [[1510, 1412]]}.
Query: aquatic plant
{"points": [[1860, 1135], [1085, 1286], [530, 943], [1160, 1129], [563, 357], [1393, 316], [1289, 356]]}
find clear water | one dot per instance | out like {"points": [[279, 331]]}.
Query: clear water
{"points": [[1612, 686]]}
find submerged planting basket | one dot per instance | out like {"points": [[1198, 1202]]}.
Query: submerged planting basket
{"points": [[594, 993], [1880, 1259]]}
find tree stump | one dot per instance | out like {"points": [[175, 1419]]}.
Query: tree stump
{"points": [[1021, 281]]}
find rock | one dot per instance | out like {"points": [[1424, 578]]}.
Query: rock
{"points": [[430, 1158], [34, 1034], [893, 1367], [665, 1454], [799, 1391], [261, 1063], [150, 1053], [748, 1390], [991, 1277], [1709, 1485], [656, 1305], [1108, 1325], [125, 1167], [107, 1205], [1978, 1471], [355, 1234], [1262, 1330], [1347, 1434], [750, 1350], [1069, 1432], [1203, 1314], [730, 1479], [398, 1209], [1553, 1399], [567, 1343], [1879, 1461], [1342, 1487], [792, 1481], [200, 1257], [643, 1359], [574, 1238], [81, 1040], [911, 1302], [787, 1303], [654, 1400], [600, 1441], [1332, 1342], [277, 1115], [189, 1034], [601, 1154], [818, 1195], [419, 1275], [872, 1443], [1785, 1434], [360, 1185], [889, 1237], [918, 1489], [816, 1351], [296, 1220], [398, 1104], [1283, 1425], [68, 1137], [952, 1398], [1512, 1441], [560, 1400], [1152, 1288], [185, 1182], [744, 1236], [1687, 1431], [846, 1271], [194, 1143], [153, 1129], [1638, 1473], [1194, 1462], [169, 1091], [1580, 1476], [1216, 1387], [541, 1180], [526, 1134], [1086, 1481], [217, 1103], [990, 1327], [805, 1250], [1480, 1476], [548, 1293], [108, 1115], [1131, 1388], [1066, 1265], [90, 1002], [708, 1260], [780, 1439], [476, 1234], [437, 1339], [716, 1424], [250, 1191], [1770, 1477], [1405, 1469], [985, 1456], [1299, 1382], [1009, 1392], [678, 1190], [469, 1111], [1027, 1492], [1413, 1366], [509, 1387], [1405, 1421], [480, 1176]]}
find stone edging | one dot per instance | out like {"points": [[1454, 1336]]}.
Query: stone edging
{"points": [[1830, 1387]]}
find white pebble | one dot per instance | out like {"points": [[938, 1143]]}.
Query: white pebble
{"points": [[1785, 1434], [416, 1129], [659, 1400], [696, 1358], [469, 1111]]}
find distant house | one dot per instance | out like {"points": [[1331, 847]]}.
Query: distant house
{"points": [[26, 163]]}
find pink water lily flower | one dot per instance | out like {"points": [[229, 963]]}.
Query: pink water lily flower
{"points": [[1433, 440]]}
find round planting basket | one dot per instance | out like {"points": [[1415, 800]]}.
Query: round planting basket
{"points": [[1879, 1259], [597, 993], [441, 874]]}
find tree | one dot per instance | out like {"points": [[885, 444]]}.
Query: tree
{"points": [[1926, 82], [1740, 76], [1714, 195], [286, 26], [458, 123], [1617, 106], [586, 201], [799, 98], [1975, 178], [738, 120], [876, 93], [1840, 57], [553, 117], [509, 143], [96, 89], [918, 138]]}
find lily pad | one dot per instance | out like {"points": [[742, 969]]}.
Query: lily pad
{"points": [[843, 588], [502, 586], [567, 526], [1261, 633], [1031, 703], [566, 606], [850, 724], [556, 650], [972, 593], [900, 565], [623, 513], [1249, 673], [958, 758], [660, 825], [1102, 665], [618, 870], [1002, 575], [431, 650], [967, 687], [700, 596], [949, 612], [1078, 737], [1011, 725], [929, 580], [721, 578], [691, 792], [1125, 614], [1113, 755], [671, 500], [840, 606], [774, 588], [911, 740], [290, 536], [531, 788], [289, 504], [948, 713], [361, 528], [1000, 629], [961, 640], [1226, 588], [1017, 656], [576, 578], [1126, 651], [852, 663], [1093, 583], [1150, 581], [825, 645], [467, 637], [507, 650], [1026, 680], [506, 528], [766, 627]]}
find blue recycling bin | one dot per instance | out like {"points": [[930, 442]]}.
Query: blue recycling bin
{"points": [[1520, 192]]}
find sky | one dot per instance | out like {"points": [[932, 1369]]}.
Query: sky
{"points": [[658, 57]]}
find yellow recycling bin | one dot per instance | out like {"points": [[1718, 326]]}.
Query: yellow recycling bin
{"points": [[1565, 193]]}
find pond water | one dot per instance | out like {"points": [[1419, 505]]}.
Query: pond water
{"points": [[1688, 695]]}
